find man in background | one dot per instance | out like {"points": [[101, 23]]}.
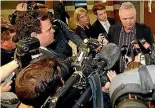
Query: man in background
{"points": [[7, 45], [102, 24], [59, 11]]}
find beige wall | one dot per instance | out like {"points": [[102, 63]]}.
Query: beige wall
{"points": [[8, 7]]}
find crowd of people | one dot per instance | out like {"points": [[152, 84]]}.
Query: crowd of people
{"points": [[46, 74]]}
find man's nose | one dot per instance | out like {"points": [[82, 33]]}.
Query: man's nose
{"points": [[128, 20]]}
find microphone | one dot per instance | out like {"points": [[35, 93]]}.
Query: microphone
{"points": [[124, 50], [153, 53], [135, 47], [145, 44], [109, 53], [10, 101]]}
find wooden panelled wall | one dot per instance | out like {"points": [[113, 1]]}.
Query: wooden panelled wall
{"points": [[112, 11], [149, 18]]}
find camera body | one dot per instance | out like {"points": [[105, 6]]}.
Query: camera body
{"points": [[25, 48], [74, 88], [138, 90]]}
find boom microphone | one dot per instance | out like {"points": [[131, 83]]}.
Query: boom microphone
{"points": [[110, 53]]}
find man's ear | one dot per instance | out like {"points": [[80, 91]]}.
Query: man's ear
{"points": [[33, 34], [4, 42]]}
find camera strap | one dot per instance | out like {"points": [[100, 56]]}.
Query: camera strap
{"points": [[95, 84], [146, 81]]}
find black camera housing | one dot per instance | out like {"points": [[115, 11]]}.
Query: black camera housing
{"points": [[24, 49]]}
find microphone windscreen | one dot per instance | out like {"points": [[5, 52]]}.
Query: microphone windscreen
{"points": [[110, 53]]}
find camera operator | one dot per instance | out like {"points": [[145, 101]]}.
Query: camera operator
{"points": [[39, 80], [36, 23], [135, 93]]}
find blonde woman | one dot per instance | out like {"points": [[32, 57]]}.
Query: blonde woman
{"points": [[83, 28]]}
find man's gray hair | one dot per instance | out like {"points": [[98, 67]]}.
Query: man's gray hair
{"points": [[126, 5]]}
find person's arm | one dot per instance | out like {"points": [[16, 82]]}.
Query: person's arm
{"points": [[69, 33], [7, 69], [5, 86], [81, 33]]}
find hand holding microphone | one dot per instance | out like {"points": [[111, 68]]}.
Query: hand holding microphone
{"points": [[145, 44], [102, 39]]}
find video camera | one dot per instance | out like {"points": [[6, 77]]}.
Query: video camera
{"points": [[135, 93], [25, 48], [76, 91]]}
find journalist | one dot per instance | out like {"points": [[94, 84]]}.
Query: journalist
{"points": [[39, 80]]}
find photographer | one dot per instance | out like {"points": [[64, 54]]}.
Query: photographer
{"points": [[39, 80], [135, 93]]}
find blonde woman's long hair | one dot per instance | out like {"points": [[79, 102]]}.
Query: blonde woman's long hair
{"points": [[77, 13]]}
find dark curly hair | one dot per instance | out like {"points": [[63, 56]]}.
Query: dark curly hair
{"points": [[27, 23]]}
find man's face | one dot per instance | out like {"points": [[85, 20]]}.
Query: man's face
{"points": [[128, 18], [84, 18], [9, 44], [102, 15], [46, 37]]}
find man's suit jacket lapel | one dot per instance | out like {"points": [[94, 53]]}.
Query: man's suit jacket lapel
{"points": [[100, 27], [116, 34]]}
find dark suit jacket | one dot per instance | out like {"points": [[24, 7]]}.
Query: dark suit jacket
{"points": [[98, 28], [84, 33], [142, 31], [59, 11]]}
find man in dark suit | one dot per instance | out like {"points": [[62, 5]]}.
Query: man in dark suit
{"points": [[102, 24], [59, 11], [7, 45], [128, 30]]}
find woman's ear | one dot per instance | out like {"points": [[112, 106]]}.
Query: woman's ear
{"points": [[33, 34]]}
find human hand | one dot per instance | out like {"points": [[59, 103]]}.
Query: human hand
{"points": [[111, 74], [102, 40], [128, 58], [137, 58], [6, 86], [106, 87]]}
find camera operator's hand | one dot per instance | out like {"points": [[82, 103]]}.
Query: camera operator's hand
{"points": [[111, 74], [106, 87], [6, 86], [129, 59], [23, 59], [137, 58]]}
